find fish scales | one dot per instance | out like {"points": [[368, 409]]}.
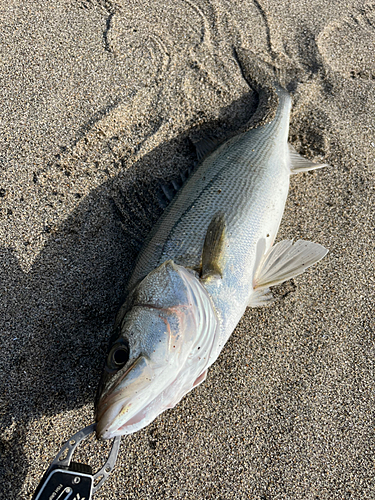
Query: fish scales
{"points": [[244, 166], [252, 175], [209, 256]]}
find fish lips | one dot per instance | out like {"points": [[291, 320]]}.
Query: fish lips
{"points": [[125, 400]]}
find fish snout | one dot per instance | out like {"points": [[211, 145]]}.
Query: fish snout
{"points": [[122, 404]]}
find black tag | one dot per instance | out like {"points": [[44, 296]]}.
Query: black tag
{"points": [[66, 480], [63, 484]]}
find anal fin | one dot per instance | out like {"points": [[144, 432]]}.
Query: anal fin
{"points": [[213, 248], [285, 260], [299, 163]]}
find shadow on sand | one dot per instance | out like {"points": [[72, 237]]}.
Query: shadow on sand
{"points": [[63, 309]]}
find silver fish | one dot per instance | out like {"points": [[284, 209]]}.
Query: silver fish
{"points": [[209, 257]]}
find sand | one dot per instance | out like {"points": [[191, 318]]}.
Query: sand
{"points": [[99, 103]]}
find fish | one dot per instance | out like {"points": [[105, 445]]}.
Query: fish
{"points": [[209, 257]]}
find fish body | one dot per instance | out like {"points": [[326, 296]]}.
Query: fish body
{"points": [[210, 256]]}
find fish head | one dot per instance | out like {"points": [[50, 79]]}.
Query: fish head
{"points": [[160, 347]]}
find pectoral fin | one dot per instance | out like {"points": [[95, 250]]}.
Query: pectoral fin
{"points": [[213, 248], [285, 260]]}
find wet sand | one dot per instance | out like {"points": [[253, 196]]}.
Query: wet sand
{"points": [[99, 103]]}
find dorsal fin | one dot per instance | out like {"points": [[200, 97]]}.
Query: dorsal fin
{"points": [[130, 224], [168, 190], [206, 146]]}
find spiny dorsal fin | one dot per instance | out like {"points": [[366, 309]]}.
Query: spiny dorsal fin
{"points": [[213, 248], [168, 190], [300, 164], [206, 146]]}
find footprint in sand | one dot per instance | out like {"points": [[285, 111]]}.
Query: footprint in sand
{"points": [[347, 46], [144, 45]]}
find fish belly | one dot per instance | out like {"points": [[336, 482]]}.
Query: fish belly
{"points": [[250, 235], [246, 180]]}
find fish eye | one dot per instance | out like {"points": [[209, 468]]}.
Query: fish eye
{"points": [[118, 356]]}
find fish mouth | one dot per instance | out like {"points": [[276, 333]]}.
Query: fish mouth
{"points": [[124, 406]]}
